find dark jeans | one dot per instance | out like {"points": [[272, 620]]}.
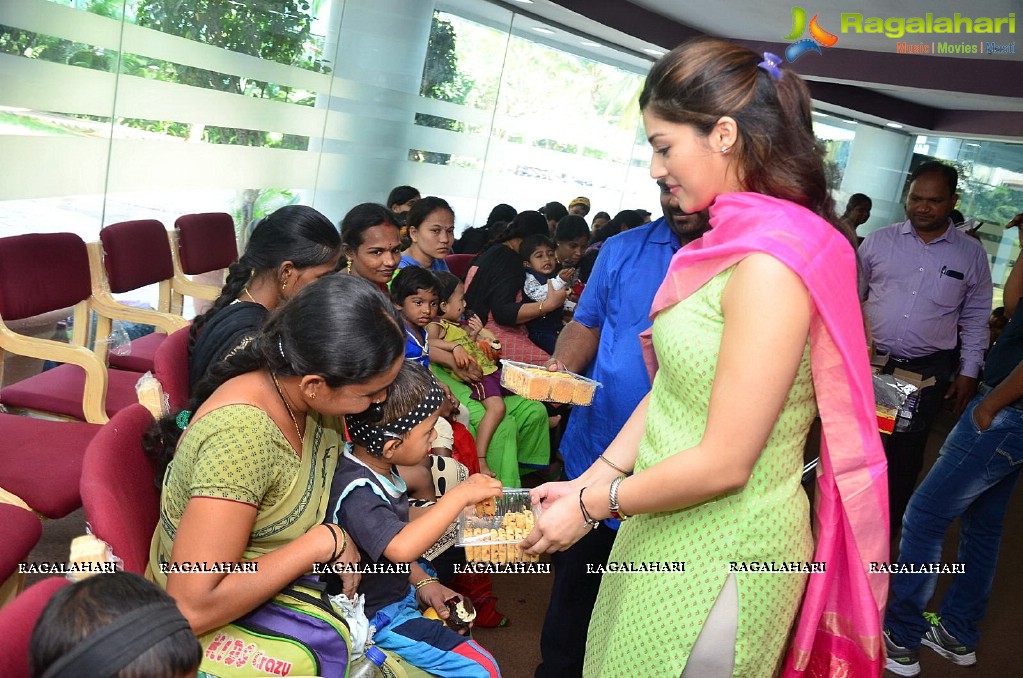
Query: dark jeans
{"points": [[973, 480], [563, 639], [545, 339], [905, 450]]}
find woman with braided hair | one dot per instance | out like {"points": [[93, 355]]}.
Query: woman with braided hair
{"points": [[287, 250]]}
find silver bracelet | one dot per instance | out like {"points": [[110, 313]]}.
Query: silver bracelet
{"points": [[616, 512]]}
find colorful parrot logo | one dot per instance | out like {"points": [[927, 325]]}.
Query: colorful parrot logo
{"points": [[818, 36]]}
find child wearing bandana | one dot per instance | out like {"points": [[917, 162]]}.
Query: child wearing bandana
{"points": [[370, 501]]}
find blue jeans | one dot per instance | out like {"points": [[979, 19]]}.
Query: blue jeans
{"points": [[972, 480]]}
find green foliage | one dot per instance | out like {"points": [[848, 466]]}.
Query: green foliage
{"points": [[441, 80], [274, 30], [255, 203], [991, 205]]}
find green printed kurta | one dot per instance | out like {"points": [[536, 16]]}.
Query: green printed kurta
{"points": [[646, 624]]}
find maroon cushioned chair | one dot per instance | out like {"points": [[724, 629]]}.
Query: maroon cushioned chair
{"points": [[82, 388], [459, 264], [18, 619], [202, 243], [41, 461], [206, 242], [170, 367], [20, 531], [131, 255], [119, 489]]}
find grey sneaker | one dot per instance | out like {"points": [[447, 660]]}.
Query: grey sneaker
{"points": [[901, 661], [944, 643]]}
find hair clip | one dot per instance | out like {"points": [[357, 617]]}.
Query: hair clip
{"points": [[184, 416], [770, 64]]}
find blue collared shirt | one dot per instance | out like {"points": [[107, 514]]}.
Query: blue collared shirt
{"points": [[617, 300]]}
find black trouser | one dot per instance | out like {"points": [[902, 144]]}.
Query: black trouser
{"points": [[905, 450], [563, 639]]}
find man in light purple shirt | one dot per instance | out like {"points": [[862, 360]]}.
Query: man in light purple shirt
{"points": [[929, 288]]}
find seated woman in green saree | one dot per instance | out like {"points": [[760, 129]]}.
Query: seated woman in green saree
{"points": [[250, 477]]}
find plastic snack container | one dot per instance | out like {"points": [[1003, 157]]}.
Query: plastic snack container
{"points": [[538, 383], [493, 538]]}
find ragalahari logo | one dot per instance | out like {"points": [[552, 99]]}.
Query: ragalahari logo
{"points": [[818, 36]]}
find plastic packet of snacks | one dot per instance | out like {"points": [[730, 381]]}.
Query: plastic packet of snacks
{"points": [[539, 383], [490, 530]]}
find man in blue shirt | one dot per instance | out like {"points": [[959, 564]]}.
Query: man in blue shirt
{"points": [[602, 342]]}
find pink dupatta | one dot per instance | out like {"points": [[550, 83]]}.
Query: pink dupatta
{"points": [[839, 627]]}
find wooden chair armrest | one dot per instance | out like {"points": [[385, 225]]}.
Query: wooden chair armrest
{"points": [[164, 322], [95, 397], [103, 301], [190, 288], [181, 282]]}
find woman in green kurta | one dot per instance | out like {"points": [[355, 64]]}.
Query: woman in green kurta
{"points": [[765, 521], [708, 467]]}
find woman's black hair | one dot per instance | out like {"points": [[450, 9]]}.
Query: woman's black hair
{"points": [[523, 225], [585, 266], [447, 283], [294, 233], [602, 215], [400, 195], [571, 227], [531, 243], [410, 280], [500, 212], [424, 207], [360, 219], [554, 211], [75, 612], [622, 221], [340, 327]]}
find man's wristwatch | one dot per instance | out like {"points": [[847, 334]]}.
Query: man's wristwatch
{"points": [[616, 512]]}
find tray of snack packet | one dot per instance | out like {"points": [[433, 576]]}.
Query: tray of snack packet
{"points": [[539, 383], [490, 530]]}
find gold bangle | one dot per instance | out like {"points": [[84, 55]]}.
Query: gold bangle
{"points": [[423, 582], [613, 465]]}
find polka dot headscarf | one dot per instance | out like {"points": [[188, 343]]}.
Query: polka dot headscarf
{"points": [[365, 432]]}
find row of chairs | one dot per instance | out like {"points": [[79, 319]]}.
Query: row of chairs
{"points": [[51, 465], [121, 503], [115, 483], [128, 256], [40, 456]]}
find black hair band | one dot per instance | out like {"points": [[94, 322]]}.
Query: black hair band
{"points": [[107, 650]]}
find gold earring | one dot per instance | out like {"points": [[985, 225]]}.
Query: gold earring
{"points": [[284, 286], [348, 269], [313, 395]]}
